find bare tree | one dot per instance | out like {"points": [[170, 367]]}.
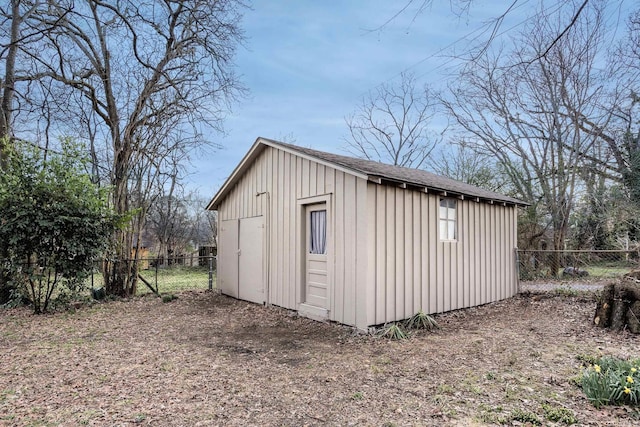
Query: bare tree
{"points": [[520, 113], [206, 222], [616, 157], [393, 124], [459, 8], [19, 33], [461, 162], [136, 75]]}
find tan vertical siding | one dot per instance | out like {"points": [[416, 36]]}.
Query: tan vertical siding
{"points": [[408, 254], [411, 269], [348, 313], [378, 211], [431, 244], [398, 260], [416, 261], [337, 298]]}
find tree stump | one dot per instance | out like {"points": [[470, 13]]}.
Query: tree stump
{"points": [[619, 305], [633, 318]]}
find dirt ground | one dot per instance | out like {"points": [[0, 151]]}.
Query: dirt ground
{"points": [[208, 360]]}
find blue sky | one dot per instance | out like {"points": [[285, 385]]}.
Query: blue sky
{"points": [[307, 65]]}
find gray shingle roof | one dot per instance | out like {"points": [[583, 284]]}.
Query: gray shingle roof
{"points": [[402, 175]]}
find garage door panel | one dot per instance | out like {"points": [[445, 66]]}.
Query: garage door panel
{"points": [[250, 275], [227, 280]]}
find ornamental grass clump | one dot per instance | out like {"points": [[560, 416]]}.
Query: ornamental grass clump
{"points": [[612, 381], [394, 331], [421, 320]]}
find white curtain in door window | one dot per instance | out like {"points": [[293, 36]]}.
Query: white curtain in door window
{"points": [[318, 232]]}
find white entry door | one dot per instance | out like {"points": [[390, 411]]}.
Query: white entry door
{"points": [[316, 278]]}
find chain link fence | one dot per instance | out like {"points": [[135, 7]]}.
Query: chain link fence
{"points": [[573, 270], [168, 275]]}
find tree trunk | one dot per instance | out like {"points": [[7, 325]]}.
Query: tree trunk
{"points": [[619, 313], [121, 273], [603, 308], [619, 305]]}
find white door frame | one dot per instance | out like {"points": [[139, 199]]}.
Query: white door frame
{"points": [[305, 309]]}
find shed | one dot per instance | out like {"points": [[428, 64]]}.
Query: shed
{"points": [[359, 242]]}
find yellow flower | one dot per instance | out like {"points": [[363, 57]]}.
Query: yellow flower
{"points": [[627, 390], [633, 370], [630, 380], [596, 368]]}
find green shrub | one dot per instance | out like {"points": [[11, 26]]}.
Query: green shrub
{"points": [[612, 381], [168, 297], [55, 223]]}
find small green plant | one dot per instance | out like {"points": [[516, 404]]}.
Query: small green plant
{"points": [[587, 359], [612, 381], [559, 415], [446, 389], [492, 414], [358, 395], [566, 291], [490, 376], [394, 331], [168, 297], [421, 320], [525, 417]]}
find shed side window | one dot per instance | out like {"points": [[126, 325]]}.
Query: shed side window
{"points": [[318, 229], [448, 219]]}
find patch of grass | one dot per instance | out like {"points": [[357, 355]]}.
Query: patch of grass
{"points": [[175, 279], [610, 270], [171, 279], [559, 415], [566, 291], [358, 395]]}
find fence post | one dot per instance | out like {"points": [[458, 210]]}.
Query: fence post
{"points": [[157, 262], [210, 272], [517, 271]]}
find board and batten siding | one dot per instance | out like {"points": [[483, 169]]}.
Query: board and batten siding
{"points": [[412, 269], [275, 186]]}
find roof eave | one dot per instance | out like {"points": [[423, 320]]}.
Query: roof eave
{"points": [[253, 152], [379, 179]]}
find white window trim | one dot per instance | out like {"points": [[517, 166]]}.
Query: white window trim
{"points": [[449, 219]]}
